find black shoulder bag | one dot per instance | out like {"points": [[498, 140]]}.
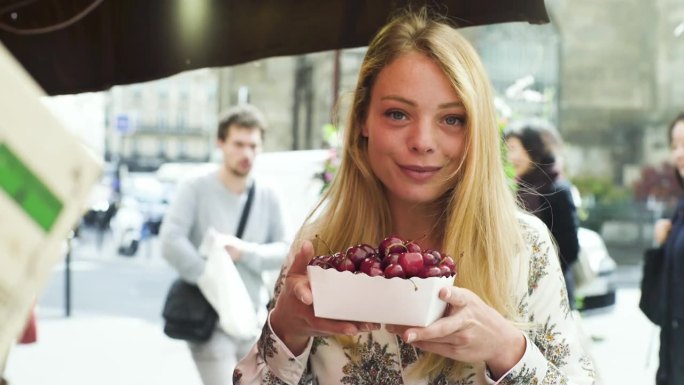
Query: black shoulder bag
{"points": [[652, 301], [187, 314]]}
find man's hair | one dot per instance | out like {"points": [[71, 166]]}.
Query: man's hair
{"points": [[243, 115]]}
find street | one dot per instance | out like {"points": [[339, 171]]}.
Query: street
{"points": [[114, 334]]}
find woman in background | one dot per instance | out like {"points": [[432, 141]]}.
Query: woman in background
{"points": [[670, 233], [544, 193]]}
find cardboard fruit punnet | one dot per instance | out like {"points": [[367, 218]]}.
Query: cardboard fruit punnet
{"points": [[46, 175], [360, 297]]}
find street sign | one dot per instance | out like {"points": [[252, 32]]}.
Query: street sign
{"points": [[124, 123]]}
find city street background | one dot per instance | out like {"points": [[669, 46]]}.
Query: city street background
{"points": [[114, 334]]}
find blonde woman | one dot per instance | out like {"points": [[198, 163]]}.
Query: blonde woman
{"points": [[422, 160]]}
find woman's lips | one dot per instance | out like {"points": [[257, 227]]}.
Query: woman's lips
{"points": [[419, 173]]}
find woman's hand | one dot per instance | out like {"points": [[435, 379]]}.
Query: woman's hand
{"points": [[293, 319], [470, 331], [662, 230]]}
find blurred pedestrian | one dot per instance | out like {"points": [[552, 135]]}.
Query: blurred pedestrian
{"points": [[670, 234], [543, 192], [215, 200]]}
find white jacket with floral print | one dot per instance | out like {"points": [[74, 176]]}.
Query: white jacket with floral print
{"points": [[554, 354]]}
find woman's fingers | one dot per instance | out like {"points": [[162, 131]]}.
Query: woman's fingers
{"points": [[444, 349], [330, 327], [442, 329], [454, 296], [302, 291], [301, 259]]}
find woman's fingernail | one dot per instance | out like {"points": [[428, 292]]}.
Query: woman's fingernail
{"points": [[410, 337], [446, 293]]}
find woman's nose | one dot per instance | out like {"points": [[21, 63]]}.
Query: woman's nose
{"points": [[421, 138]]}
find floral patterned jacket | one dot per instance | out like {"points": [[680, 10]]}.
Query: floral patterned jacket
{"points": [[553, 355]]}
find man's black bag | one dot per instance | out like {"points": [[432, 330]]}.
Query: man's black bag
{"points": [[187, 314], [653, 296]]}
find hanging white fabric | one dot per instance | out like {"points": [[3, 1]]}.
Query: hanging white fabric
{"points": [[222, 286]]}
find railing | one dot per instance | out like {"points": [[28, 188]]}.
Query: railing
{"points": [[626, 228]]}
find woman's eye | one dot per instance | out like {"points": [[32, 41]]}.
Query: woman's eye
{"points": [[453, 120], [396, 115]]}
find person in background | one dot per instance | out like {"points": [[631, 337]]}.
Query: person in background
{"points": [[670, 233], [216, 200], [542, 192], [422, 160]]}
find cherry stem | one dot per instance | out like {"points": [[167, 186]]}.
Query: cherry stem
{"points": [[416, 240], [325, 243], [398, 244], [415, 287]]}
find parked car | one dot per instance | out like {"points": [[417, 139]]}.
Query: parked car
{"points": [[103, 199], [594, 271], [143, 204]]}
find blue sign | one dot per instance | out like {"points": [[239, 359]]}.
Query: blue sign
{"points": [[124, 124]]}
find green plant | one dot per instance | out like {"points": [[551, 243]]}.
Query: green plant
{"points": [[602, 190]]}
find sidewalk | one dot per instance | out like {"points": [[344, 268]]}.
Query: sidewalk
{"points": [[92, 349], [626, 349], [114, 334]]}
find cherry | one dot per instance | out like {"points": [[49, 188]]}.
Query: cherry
{"points": [[412, 247], [430, 271], [431, 257], [394, 270], [446, 271], [342, 263], [370, 249], [412, 263], [391, 244], [357, 254], [448, 261], [390, 259], [371, 266]]}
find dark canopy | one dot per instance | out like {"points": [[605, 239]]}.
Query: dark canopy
{"points": [[72, 46]]}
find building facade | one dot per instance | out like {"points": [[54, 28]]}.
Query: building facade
{"points": [[609, 74]]}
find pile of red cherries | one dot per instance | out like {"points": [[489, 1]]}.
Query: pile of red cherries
{"points": [[394, 257]]}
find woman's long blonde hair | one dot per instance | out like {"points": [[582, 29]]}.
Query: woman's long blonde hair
{"points": [[479, 224]]}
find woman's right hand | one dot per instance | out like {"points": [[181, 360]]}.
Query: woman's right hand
{"points": [[662, 230], [293, 320]]}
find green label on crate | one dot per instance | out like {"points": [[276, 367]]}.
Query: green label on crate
{"points": [[29, 192]]}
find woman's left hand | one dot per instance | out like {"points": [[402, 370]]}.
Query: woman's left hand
{"points": [[470, 331]]}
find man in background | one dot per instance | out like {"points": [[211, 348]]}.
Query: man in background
{"points": [[216, 200]]}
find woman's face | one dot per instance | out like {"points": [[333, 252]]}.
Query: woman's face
{"points": [[677, 147], [416, 129], [518, 156]]}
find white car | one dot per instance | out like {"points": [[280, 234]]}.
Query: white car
{"points": [[594, 286]]}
